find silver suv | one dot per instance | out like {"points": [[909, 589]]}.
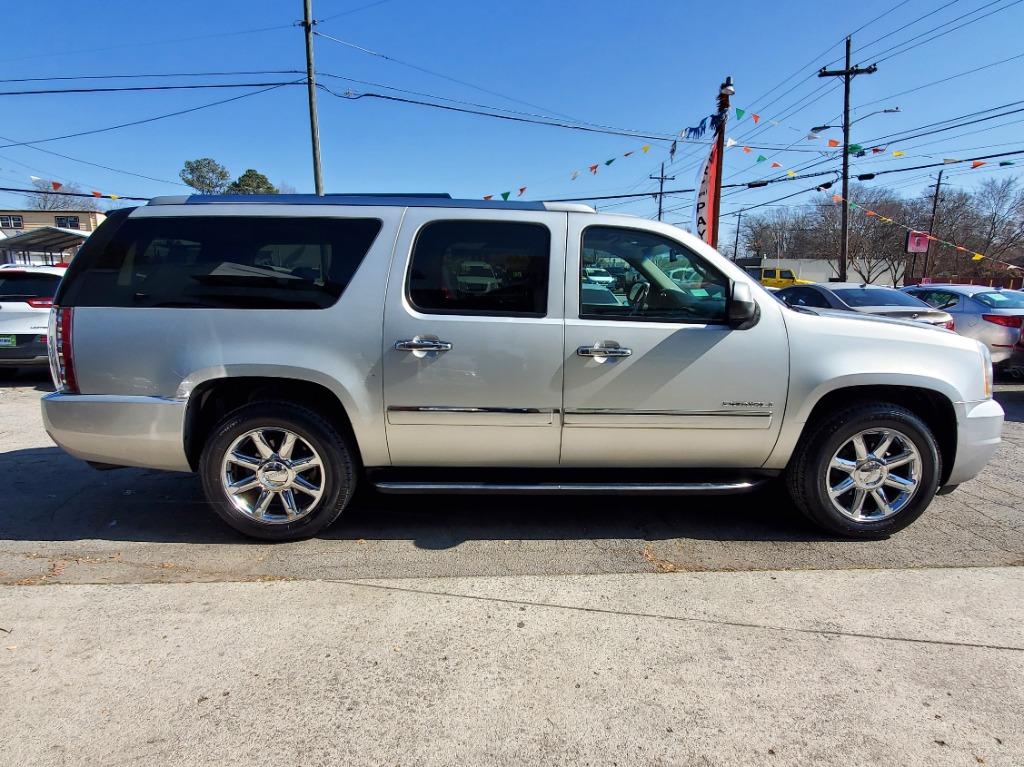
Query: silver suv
{"points": [[291, 347]]}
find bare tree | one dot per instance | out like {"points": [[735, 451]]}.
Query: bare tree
{"points": [[47, 199]]}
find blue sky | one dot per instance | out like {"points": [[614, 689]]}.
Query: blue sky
{"points": [[653, 66]]}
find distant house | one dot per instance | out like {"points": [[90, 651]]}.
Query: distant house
{"points": [[44, 236]]}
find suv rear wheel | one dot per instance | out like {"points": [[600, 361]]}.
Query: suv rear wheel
{"points": [[865, 471], [277, 471]]}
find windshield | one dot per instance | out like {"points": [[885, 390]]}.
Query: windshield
{"points": [[597, 273], [21, 285], [879, 297], [1001, 299], [473, 270]]}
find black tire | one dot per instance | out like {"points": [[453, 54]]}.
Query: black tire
{"points": [[807, 475], [338, 475]]}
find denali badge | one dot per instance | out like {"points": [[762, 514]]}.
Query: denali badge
{"points": [[746, 404]]}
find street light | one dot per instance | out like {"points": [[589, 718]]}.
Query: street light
{"points": [[820, 128]]}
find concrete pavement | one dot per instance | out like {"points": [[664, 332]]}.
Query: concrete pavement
{"points": [[912, 667]]}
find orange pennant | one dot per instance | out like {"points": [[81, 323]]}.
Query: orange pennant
{"points": [[836, 198], [488, 196], [56, 185], [521, 190], [746, 150], [870, 213], [97, 194], [833, 142], [776, 164], [977, 163], [755, 118], [593, 169]]}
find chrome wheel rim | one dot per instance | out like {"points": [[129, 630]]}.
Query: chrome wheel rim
{"points": [[873, 475], [272, 475]]}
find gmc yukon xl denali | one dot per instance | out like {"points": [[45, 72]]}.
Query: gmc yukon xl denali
{"points": [[288, 347]]}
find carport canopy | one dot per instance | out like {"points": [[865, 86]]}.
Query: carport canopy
{"points": [[45, 239]]}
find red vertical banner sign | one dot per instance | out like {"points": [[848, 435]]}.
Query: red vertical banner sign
{"points": [[704, 210]]}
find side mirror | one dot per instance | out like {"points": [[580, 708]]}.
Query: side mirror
{"points": [[743, 310]]}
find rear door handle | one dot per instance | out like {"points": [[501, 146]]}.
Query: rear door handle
{"points": [[604, 350], [419, 344]]}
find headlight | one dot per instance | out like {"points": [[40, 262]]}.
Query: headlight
{"points": [[986, 365]]}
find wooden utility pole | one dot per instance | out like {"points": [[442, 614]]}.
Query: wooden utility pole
{"points": [[314, 124], [661, 178], [931, 226], [848, 73], [736, 242]]}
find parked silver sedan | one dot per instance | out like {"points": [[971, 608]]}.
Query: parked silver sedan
{"points": [[866, 299], [990, 315]]}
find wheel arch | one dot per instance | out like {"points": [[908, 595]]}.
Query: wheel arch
{"points": [[211, 398], [931, 405]]}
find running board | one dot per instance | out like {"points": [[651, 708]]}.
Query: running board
{"points": [[568, 488]]}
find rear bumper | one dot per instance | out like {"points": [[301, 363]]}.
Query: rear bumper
{"points": [[120, 430], [25, 355], [24, 362], [979, 426]]}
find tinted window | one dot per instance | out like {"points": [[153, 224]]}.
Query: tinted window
{"points": [[804, 297], [481, 267], [786, 274], [769, 274], [220, 262], [1002, 299], [663, 280], [938, 298], [16, 286], [877, 297]]}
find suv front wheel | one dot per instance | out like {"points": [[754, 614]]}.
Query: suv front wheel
{"points": [[865, 471], [277, 471]]}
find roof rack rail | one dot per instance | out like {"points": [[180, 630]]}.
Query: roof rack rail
{"points": [[410, 200]]}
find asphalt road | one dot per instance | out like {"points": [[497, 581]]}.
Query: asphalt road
{"points": [[63, 522]]}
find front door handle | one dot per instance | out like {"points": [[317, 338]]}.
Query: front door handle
{"points": [[419, 344], [604, 350]]}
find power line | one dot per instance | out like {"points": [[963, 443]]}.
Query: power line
{"points": [[146, 43], [431, 72], [513, 118], [153, 75], [138, 88], [350, 11], [93, 164], [74, 194], [147, 119]]}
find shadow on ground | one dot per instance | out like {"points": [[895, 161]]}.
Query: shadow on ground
{"points": [[61, 499]]}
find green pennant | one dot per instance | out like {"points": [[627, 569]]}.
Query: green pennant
{"points": [[504, 195], [609, 162], [1007, 162], [854, 148], [761, 158], [854, 206], [740, 113]]}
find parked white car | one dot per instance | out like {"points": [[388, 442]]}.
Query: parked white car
{"points": [[26, 294]]}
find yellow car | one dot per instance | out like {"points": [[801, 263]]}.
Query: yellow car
{"points": [[776, 278]]}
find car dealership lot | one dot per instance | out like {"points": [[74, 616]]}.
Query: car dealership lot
{"points": [[500, 630]]}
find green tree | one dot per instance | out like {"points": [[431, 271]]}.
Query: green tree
{"points": [[205, 175], [251, 182]]}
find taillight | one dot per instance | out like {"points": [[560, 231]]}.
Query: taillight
{"points": [[40, 303], [951, 325], [60, 350], [1007, 321]]}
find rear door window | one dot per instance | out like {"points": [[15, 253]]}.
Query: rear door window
{"points": [[19, 286], [481, 267], [236, 262]]}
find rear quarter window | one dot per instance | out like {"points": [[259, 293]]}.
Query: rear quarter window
{"points": [[231, 262]]}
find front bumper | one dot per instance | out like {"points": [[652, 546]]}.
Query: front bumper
{"points": [[979, 426], [119, 430]]}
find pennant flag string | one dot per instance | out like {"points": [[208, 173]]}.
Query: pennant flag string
{"points": [[975, 256]]}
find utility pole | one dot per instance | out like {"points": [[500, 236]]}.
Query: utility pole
{"points": [[848, 73], [736, 242], [724, 92], [661, 179], [931, 226], [314, 124]]}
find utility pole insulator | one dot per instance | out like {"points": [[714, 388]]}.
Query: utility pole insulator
{"points": [[847, 73]]}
